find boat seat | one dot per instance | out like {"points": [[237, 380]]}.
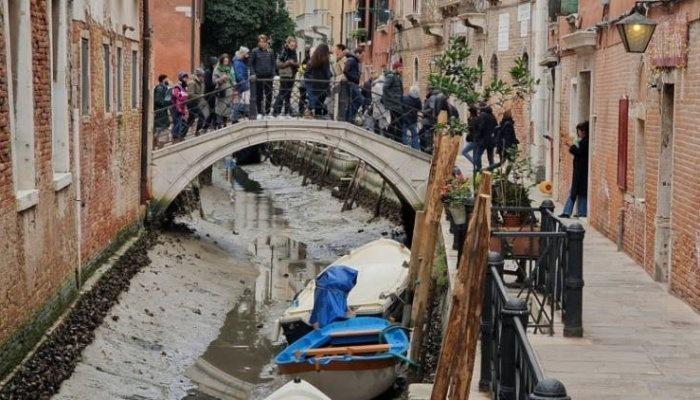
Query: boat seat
{"points": [[366, 332], [333, 351]]}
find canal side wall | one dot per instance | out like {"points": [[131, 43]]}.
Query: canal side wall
{"points": [[310, 161]]}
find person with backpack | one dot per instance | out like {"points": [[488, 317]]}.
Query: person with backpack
{"points": [[484, 126], [240, 68], [317, 79], [225, 80], [507, 144], [391, 98], [179, 108], [262, 68], [200, 105], [351, 75], [411, 105], [161, 102], [287, 65]]}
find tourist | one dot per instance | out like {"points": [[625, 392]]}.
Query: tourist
{"points": [[507, 145], [161, 102], [262, 68], [201, 106], [469, 149], [579, 180], [287, 65], [300, 77], [368, 122], [380, 114], [240, 68], [317, 79], [225, 79], [351, 78], [210, 87], [391, 98], [179, 107], [484, 126], [411, 104]]}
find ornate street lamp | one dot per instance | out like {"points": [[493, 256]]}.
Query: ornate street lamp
{"points": [[636, 31]]}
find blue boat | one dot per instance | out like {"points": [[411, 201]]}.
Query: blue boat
{"points": [[354, 359]]}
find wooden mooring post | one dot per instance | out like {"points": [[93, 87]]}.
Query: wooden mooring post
{"points": [[426, 230], [458, 350]]}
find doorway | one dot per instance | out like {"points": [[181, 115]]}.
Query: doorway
{"points": [[584, 114], [662, 239]]}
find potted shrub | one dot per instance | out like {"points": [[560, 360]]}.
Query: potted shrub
{"points": [[511, 188], [456, 193], [359, 34]]}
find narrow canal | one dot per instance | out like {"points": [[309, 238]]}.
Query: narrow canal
{"points": [[199, 322]]}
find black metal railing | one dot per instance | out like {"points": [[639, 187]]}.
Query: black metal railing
{"points": [[546, 256], [299, 98], [510, 369]]}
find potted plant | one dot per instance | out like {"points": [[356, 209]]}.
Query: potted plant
{"points": [[455, 196], [511, 188], [359, 34]]}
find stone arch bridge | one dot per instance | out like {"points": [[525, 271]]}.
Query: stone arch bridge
{"points": [[176, 165]]}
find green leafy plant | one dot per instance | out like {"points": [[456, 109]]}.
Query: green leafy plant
{"points": [[457, 191], [453, 75], [359, 34], [512, 181], [497, 87], [523, 82]]}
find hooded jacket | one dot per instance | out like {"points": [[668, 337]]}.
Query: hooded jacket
{"points": [[392, 92]]}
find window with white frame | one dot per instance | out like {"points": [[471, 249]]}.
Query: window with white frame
{"points": [[119, 84], [59, 87], [18, 36], [107, 77], [84, 76], [134, 79]]}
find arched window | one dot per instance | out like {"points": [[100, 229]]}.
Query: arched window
{"points": [[480, 65], [415, 70], [526, 60], [494, 67]]}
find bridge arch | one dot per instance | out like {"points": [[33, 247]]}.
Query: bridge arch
{"points": [[175, 166]]}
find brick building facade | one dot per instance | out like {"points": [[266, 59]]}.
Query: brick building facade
{"points": [[69, 174], [644, 194], [172, 36]]}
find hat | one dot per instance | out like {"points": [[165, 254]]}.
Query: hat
{"points": [[182, 74], [242, 51], [397, 65]]}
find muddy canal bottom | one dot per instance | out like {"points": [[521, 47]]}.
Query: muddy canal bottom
{"points": [[286, 233]]}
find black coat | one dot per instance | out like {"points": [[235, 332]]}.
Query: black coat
{"points": [[392, 92], [579, 181], [484, 125], [411, 105], [318, 77], [507, 137], [262, 63]]}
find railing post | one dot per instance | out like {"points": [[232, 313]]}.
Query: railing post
{"points": [[253, 106], [547, 205], [545, 271], [514, 308], [495, 260], [549, 389], [573, 282]]}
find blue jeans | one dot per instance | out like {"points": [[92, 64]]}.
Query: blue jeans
{"points": [[581, 205], [414, 140], [468, 152], [479, 152], [355, 102], [179, 124]]}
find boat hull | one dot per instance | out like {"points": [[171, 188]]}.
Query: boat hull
{"points": [[351, 384]]}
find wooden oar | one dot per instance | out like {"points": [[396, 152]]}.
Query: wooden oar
{"points": [[333, 351]]}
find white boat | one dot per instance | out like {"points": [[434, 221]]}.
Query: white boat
{"points": [[382, 267], [298, 390]]}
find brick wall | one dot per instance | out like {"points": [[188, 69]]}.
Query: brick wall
{"points": [[617, 74], [38, 244], [172, 39]]}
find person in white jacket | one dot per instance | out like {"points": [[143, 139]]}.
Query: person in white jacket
{"points": [[380, 114]]}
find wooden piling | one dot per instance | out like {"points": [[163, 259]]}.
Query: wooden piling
{"points": [[326, 167], [458, 348]]}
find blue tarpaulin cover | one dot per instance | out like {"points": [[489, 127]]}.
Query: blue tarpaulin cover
{"points": [[331, 294]]}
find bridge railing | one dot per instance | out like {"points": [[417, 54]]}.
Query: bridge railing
{"points": [[276, 98]]}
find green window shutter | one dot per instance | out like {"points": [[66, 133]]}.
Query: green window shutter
{"points": [[569, 7]]}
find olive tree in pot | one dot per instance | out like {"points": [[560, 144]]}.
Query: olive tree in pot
{"points": [[511, 188]]}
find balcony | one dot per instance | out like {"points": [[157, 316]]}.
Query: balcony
{"points": [[581, 41]]}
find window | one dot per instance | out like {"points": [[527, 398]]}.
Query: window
{"points": [[415, 70], [120, 79], [640, 164], [107, 78], [19, 55], [526, 60], [494, 67], [84, 76], [134, 79], [416, 6], [573, 104], [480, 65], [59, 90]]}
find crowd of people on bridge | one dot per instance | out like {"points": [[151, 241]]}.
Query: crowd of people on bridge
{"points": [[318, 82]]}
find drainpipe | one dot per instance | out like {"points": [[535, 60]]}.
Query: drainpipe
{"points": [[78, 196], [145, 101], [193, 10]]}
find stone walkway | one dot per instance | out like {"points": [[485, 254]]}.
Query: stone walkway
{"points": [[639, 341]]}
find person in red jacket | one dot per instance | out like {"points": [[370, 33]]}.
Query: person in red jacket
{"points": [[179, 107]]}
